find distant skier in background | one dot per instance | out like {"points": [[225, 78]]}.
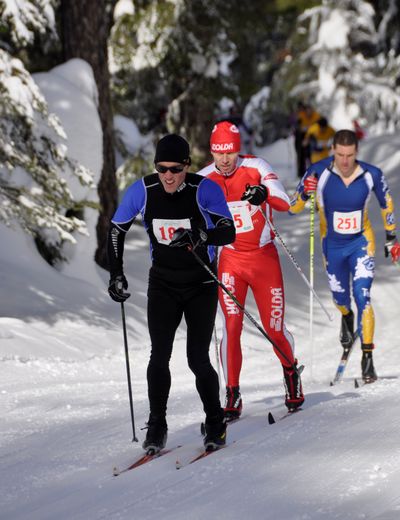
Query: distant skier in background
{"points": [[343, 186], [360, 132], [252, 190], [304, 118], [319, 138], [180, 211]]}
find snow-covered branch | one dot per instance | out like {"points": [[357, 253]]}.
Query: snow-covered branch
{"points": [[33, 158], [25, 18]]}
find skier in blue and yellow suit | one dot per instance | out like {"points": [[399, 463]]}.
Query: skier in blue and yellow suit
{"points": [[343, 187]]}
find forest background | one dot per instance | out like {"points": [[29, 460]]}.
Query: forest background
{"points": [[176, 66]]}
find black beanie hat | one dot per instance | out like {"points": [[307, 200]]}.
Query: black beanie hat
{"points": [[172, 148]]}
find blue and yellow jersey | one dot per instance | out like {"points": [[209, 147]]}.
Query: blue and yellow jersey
{"points": [[343, 210]]}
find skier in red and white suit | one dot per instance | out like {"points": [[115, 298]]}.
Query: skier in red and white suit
{"points": [[252, 190]]}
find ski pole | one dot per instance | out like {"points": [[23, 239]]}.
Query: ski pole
{"points": [[312, 221], [216, 341], [246, 313], [128, 372], [295, 263]]}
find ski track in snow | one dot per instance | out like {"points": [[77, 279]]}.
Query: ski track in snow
{"points": [[66, 423]]}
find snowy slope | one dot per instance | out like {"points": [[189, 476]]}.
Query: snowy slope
{"points": [[65, 412]]}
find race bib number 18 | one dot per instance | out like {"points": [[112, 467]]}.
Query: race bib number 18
{"points": [[347, 223], [164, 229]]}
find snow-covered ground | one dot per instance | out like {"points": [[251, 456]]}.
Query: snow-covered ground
{"points": [[65, 410]]}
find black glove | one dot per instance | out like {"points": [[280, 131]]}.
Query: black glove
{"points": [[392, 248], [116, 288], [188, 238], [256, 194]]}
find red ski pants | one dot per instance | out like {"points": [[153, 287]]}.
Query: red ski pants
{"points": [[261, 271]]}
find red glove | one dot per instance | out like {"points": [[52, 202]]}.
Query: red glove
{"points": [[310, 185], [395, 252]]}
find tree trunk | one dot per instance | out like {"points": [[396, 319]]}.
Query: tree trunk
{"points": [[85, 26]]}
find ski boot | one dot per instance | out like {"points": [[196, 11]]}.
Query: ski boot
{"points": [[156, 437], [367, 364], [347, 330], [233, 403], [294, 392], [214, 433]]}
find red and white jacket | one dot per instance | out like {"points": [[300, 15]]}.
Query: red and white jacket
{"points": [[252, 229]]}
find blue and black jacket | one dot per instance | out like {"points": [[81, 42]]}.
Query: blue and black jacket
{"points": [[198, 204]]}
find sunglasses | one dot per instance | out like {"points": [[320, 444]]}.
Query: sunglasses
{"points": [[172, 169]]}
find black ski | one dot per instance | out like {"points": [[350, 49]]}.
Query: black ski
{"points": [[343, 361]]}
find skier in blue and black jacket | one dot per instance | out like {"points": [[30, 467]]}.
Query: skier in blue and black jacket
{"points": [[181, 212]]}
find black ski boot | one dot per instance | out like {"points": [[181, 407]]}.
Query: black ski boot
{"points": [[347, 330], [294, 391], [367, 364], [156, 437], [233, 403], [214, 433]]}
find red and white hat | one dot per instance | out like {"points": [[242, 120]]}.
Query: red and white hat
{"points": [[225, 138]]}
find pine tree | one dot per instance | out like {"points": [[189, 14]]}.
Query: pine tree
{"points": [[33, 155], [347, 65], [176, 66], [85, 31], [171, 66]]}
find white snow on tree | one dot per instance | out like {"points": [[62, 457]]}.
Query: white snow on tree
{"points": [[166, 58], [25, 18], [33, 154], [347, 72], [32, 157]]}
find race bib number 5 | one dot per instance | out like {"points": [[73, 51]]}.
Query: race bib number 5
{"points": [[347, 223], [164, 229], [240, 211]]}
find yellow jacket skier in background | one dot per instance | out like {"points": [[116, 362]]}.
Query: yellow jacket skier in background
{"points": [[319, 137]]}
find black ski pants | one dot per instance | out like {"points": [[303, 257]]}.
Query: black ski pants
{"points": [[167, 304]]}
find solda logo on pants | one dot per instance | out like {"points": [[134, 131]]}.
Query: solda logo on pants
{"points": [[230, 305], [276, 309]]}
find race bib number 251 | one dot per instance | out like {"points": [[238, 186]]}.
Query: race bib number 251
{"points": [[347, 223]]}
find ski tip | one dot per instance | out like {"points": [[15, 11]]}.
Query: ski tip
{"points": [[116, 471], [331, 383], [178, 464], [271, 419], [356, 383]]}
